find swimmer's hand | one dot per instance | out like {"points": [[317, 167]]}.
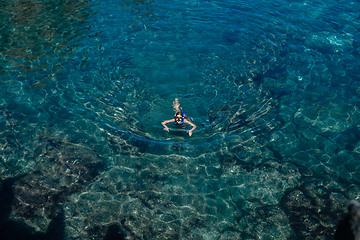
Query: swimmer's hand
{"points": [[166, 129], [190, 132]]}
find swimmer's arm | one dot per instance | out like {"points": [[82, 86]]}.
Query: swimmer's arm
{"points": [[165, 122], [193, 126]]}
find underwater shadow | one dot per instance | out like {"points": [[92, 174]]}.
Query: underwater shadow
{"points": [[114, 233]]}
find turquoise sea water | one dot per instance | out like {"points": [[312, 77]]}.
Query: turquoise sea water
{"points": [[273, 87]]}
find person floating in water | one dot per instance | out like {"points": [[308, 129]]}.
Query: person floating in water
{"points": [[179, 118]]}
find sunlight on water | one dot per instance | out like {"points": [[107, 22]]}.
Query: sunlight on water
{"points": [[272, 87]]}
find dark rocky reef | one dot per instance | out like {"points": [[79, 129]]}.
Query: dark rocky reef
{"points": [[18, 229], [349, 227], [33, 199]]}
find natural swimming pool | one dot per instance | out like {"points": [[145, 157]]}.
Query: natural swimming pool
{"points": [[273, 88]]}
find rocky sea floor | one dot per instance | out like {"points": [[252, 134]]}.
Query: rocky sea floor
{"points": [[144, 196]]}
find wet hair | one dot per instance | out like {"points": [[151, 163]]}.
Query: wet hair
{"points": [[177, 113], [183, 116]]}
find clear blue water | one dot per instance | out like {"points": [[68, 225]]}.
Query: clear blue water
{"points": [[273, 87]]}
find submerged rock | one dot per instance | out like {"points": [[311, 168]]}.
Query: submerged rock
{"points": [[61, 169], [349, 227], [16, 229]]}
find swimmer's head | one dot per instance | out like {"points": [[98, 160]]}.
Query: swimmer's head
{"points": [[178, 117]]}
